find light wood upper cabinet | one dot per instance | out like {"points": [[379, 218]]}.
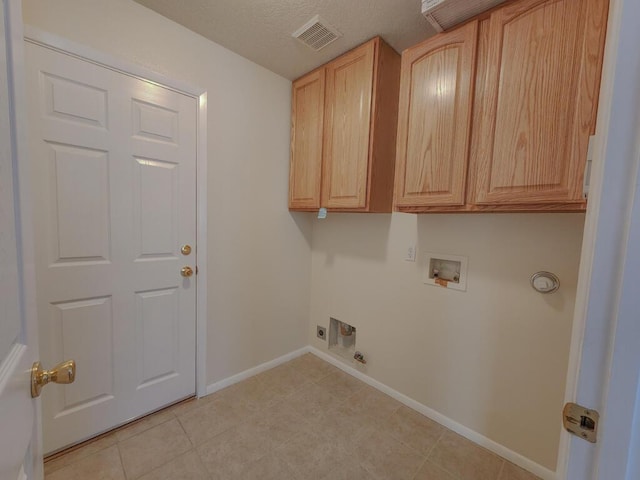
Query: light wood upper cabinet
{"points": [[307, 117], [435, 119], [351, 159], [346, 133], [496, 115], [538, 101]]}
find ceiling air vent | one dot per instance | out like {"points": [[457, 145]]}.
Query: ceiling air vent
{"points": [[317, 33], [444, 14]]}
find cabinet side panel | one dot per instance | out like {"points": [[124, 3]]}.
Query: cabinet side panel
{"points": [[592, 58], [306, 141], [347, 127], [384, 127]]}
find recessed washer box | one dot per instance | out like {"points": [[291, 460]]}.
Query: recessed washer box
{"points": [[447, 271], [342, 338]]}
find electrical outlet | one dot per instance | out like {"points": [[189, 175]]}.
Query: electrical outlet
{"points": [[411, 253], [321, 332]]}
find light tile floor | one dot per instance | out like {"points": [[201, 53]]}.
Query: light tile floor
{"points": [[302, 420]]}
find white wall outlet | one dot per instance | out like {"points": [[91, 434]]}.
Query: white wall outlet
{"points": [[411, 254]]}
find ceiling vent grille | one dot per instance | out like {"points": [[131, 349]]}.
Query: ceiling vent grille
{"points": [[317, 33], [444, 14]]}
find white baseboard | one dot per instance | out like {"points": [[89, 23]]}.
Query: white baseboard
{"points": [[466, 432], [214, 387]]}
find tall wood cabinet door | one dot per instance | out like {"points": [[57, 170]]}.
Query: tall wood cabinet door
{"points": [[347, 130], [307, 117], [537, 110], [436, 96]]}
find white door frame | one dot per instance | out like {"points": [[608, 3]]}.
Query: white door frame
{"points": [[604, 357], [67, 47]]}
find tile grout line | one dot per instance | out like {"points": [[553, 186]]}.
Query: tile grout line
{"points": [[444, 432], [164, 462], [504, 463], [114, 432], [403, 443], [420, 468], [256, 405], [193, 446], [433, 447], [209, 474], [124, 472], [426, 458]]}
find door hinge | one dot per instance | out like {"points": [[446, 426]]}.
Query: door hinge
{"points": [[581, 421], [587, 168]]}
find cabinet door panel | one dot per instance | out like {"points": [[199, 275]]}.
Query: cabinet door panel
{"points": [[347, 129], [435, 119], [307, 114], [538, 101]]}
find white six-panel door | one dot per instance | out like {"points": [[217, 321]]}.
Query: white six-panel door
{"points": [[19, 428], [114, 171]]}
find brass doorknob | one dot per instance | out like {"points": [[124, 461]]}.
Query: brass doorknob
{"points": [[64, 372], [186, 271]]}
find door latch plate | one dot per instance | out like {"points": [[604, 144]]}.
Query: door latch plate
{"points": [[581, 421]]}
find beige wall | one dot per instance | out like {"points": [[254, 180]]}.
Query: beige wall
{"points": [[493, 358], [259, 269]]}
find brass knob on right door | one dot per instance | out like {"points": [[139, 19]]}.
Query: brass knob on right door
{"points": [[186, 271]]}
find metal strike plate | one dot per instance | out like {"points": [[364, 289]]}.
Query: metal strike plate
{"points": [[581, 421]]}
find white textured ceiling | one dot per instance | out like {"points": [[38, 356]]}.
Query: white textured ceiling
{"points": [[260, 30]]}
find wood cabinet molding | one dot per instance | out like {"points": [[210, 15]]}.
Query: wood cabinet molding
{"points": [[436, 99], [346, 163], [537, 102], [347, 126], [307, 117], [533, 93]]}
